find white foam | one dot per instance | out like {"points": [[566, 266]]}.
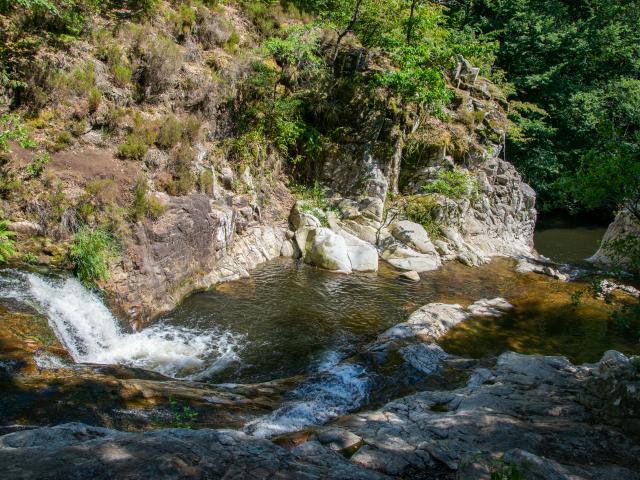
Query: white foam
{"points": [[332, 393], [91, 334]]}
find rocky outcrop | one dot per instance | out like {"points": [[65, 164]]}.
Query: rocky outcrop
{"points": [[83, 452], [624, 226], [331, 248], [432, 321], [530, 417], [198, 242], [402, 154], [528, 413]]}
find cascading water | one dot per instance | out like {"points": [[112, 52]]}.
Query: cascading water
{"points": [[91, 334]]}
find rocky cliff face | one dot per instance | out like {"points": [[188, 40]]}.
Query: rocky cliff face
{"points": [[198, 242], [404, 153], [624, 226]]}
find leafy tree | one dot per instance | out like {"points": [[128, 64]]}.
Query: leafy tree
{"points": [[578, 62]]}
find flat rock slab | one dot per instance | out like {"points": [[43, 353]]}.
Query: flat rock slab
{"points": [[78, 451]]}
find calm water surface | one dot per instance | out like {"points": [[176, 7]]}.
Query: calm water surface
{"points": [[293, 318], [568, 244]]}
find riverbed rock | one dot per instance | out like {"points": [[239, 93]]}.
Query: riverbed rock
{"points": [[410, 275], [526, 410], [80, 451], [413, 235], [542, 267], [433, 320], [404, 258], [326, 249]]}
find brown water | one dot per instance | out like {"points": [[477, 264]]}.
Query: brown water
{"points": [[295, 319], [568, 244]]}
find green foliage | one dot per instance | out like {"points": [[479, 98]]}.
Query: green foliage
{"points": [[29, 258], [205, 181], [170, 132], [134, 147], [455, 184], [12, 128], [7, 242], [183, 415], [578, 62], [145, 205], [421, 209], [36, 166], [91, 252], [137, 142]]}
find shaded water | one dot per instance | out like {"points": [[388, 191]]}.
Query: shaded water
{"points": [[295, 319], [568, 243]]}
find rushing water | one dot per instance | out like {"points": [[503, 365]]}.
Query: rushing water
{"points": [[90, 333]]}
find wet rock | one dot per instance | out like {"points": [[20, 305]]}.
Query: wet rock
{"points": [[494, 307], [338, 439], [424, 357], [542, 267], [410, 275], [520, 416], [407, 259], [196, 243], [433, 320]]}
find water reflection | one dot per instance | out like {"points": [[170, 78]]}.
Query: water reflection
{"points": [[294, 317]]}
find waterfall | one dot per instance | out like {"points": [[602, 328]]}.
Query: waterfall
{"points": [[91, 334]]}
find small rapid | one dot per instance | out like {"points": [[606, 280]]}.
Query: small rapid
{"points": [[91, 334]]}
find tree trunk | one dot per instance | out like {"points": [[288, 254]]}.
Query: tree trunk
{"points": [[396, 159]]}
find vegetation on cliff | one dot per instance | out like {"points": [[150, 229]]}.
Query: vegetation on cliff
{"points": [[171, 93]]}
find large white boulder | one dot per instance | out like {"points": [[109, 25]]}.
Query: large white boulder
{"points": [[325, 249]]}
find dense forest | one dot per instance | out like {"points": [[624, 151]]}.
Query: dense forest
{"points": [[569, 68]]}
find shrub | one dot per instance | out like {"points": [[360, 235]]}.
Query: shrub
{"points": [[421, 209], [145, 205], [77, 128], [155, 208], [183, 178], [161, 60], [191, 128], [36, 166], [205, 181], [91, 253], [63, 140], [95, 97], [140, 199], [7, 243], [121, 75], [170, 132], [137, 142], [455, 184], [134, 147], [183, 20], [231, 45]]}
